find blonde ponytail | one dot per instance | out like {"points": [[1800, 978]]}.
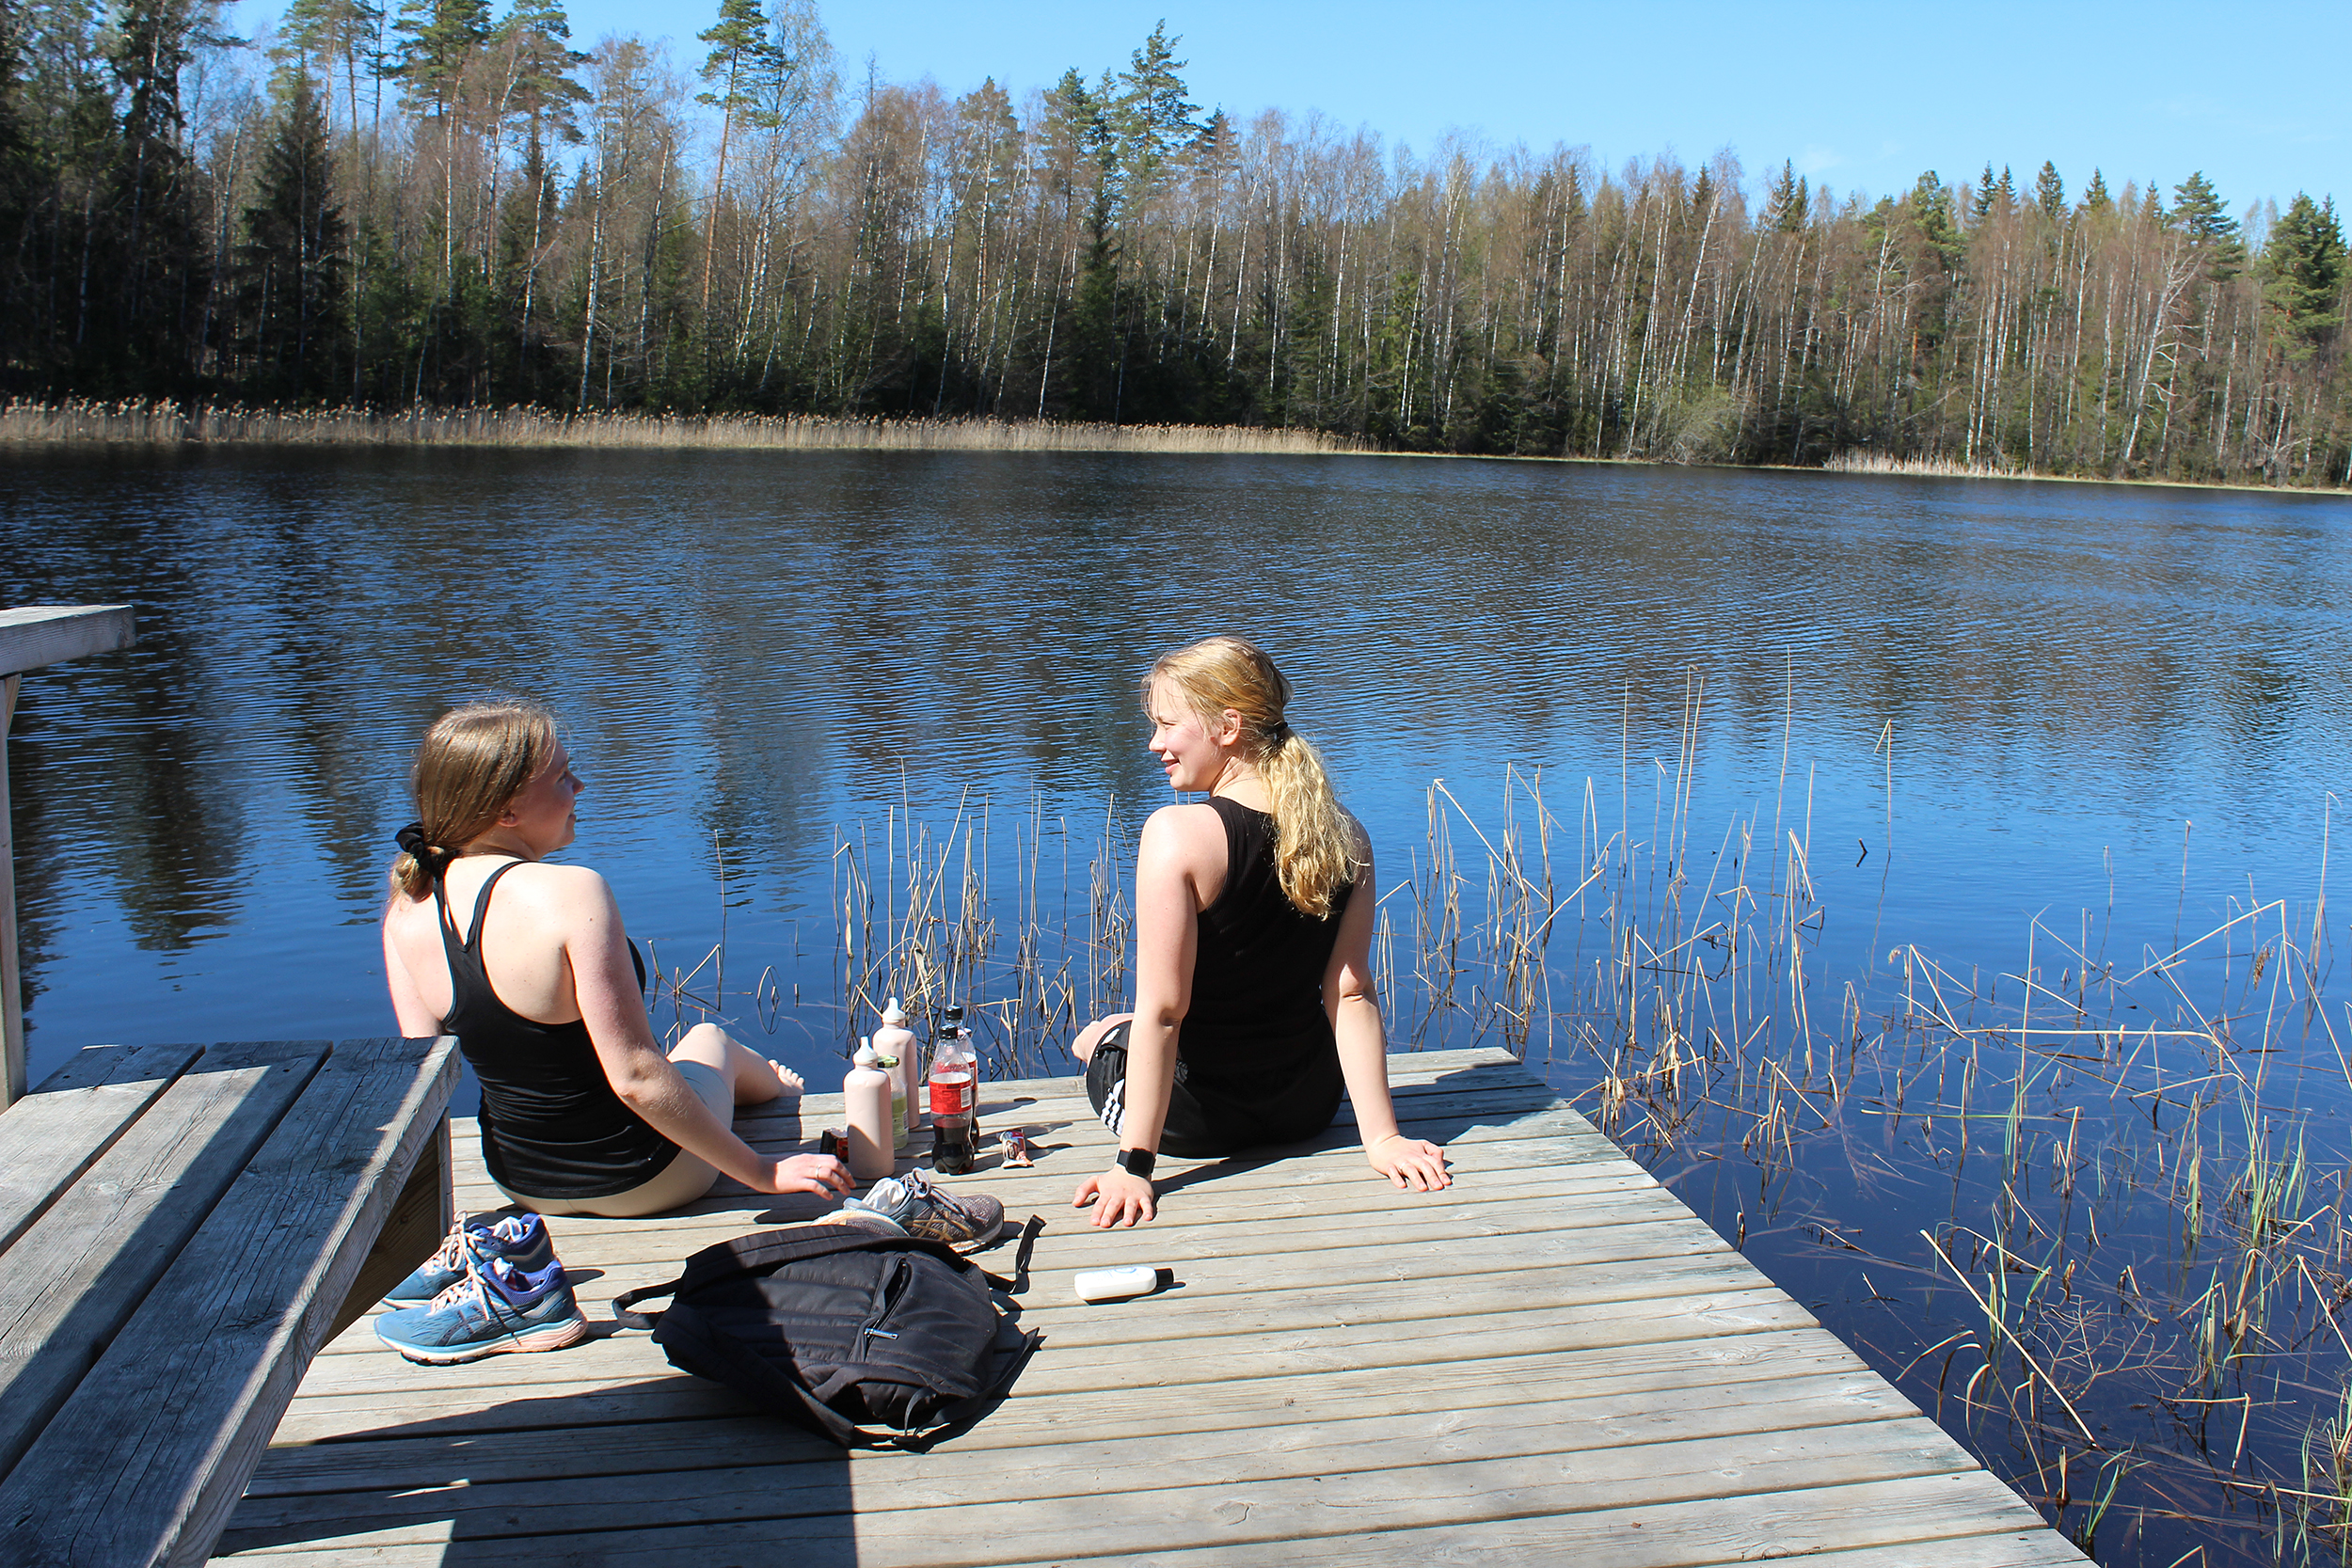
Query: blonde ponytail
{"points": [[1317, 842]]}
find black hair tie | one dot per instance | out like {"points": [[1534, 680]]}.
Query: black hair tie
{"points": [[1282, 729], [413, 843]]}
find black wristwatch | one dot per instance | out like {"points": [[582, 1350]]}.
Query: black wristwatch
{"points": [[1137, 1162]]}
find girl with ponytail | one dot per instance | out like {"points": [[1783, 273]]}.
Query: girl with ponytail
{"points": [[1254, 1000], [583, 1113]]}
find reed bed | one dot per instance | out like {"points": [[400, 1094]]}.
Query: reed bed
{"points": [[78, 421], [2089, 1211], [1855, 462]]}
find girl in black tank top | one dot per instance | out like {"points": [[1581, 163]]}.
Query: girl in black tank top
{"points": [[591, 1115], [552, 1125], [1255, 1007]]}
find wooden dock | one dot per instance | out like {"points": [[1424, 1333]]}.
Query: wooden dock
{"points": [[1554, 1361]]}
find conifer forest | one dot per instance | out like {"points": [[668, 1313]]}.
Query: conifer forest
{"points": [[429, 203]]}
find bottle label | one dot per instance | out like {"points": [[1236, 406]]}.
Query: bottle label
{"points": [[951, 1097]]}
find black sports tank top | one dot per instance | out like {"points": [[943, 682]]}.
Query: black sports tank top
{"points": [[551, 1126], [1256, 1018]]}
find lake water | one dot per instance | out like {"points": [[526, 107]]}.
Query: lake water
{"points": [[759, 649], [1979, 713]]}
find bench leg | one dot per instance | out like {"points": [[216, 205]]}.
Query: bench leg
{"points": [[417, 1223]]}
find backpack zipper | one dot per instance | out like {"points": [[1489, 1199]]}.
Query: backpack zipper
{"points": [[900, 1276]]}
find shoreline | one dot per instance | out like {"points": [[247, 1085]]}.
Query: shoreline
{"points": [[25, 423]]}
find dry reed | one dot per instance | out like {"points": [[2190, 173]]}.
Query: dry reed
{"points": [[83, 422], [2125, 1242]]}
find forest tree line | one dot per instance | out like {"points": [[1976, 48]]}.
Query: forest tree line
{"points": [[438, 204]]}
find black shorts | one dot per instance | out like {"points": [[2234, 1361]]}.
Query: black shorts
{"points": [[1204, 1121]]}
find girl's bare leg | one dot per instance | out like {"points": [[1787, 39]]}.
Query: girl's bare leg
{"points": [[752, 1079], [1091, 1036]]}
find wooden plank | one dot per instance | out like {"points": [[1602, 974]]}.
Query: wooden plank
{"points": [[31, 637], [54, 1134], [1640, 1391], [145, 1461], [1555, 1438], [34, 635], [79, 1272], [12, 1073], [412, 1231], [1614, 1515]]}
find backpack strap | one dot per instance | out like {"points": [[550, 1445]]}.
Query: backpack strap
{"points": [[1020, 1280]]}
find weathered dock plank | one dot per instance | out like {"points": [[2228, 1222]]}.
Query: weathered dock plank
{"points": [[1553, 1361]]}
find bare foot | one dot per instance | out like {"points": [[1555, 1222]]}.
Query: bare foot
{"points": [[792, 1082]]}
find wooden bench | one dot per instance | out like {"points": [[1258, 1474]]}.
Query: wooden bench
{"points": [[181, 1227]]}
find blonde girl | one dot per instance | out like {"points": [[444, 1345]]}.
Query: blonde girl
{"points": [[1254, 1000]]}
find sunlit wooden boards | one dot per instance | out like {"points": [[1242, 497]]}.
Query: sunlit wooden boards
{"points": [[1552, 1362], [181, 1229]]}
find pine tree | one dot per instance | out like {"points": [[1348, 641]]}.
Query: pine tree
{"points": [[157, 264], [2095, 197], [1787, 203], [439, 39], [2049, 193], [2302, 273], [1983, 206], [2198, 210], [290, 295], [1151, 115]]}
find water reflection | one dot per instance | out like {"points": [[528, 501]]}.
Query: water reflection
{"points": [[760, 648]]}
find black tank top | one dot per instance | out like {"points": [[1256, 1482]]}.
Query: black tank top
{"points": [[1256, 1021], [551, 1126]]}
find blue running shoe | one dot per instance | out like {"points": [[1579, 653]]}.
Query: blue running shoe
{"points": [[521, 1240], [495, 1308]]}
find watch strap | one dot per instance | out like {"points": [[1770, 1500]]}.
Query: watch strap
{"points": [[1137, 1162]]}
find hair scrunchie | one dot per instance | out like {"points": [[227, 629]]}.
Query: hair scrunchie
{"points": [[413, 843], [1282, 729]]}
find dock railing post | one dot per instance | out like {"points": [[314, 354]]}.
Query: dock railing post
{"points": [[30, 638]]}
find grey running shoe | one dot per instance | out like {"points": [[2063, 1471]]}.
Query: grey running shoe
{"points": [[913, 1205]]}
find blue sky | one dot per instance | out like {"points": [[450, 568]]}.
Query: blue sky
{"points": [[1858, 95]]}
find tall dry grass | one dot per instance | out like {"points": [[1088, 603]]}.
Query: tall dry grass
{"points": [[77, 421], [1854, 462]]}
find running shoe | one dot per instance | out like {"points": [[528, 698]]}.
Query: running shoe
{"points": [[914, 1205], [521, 1240], [496, 1308]]}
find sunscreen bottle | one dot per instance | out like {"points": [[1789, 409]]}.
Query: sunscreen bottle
{"points": [[865, 1096]]}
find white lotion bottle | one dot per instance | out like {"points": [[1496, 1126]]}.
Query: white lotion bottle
{"points": [[866, 1103], [894, 1038], [1135, 1279]]}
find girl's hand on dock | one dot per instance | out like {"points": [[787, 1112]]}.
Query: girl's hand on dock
{"points": [[1412, 1165], [821, 1174], [1119, 1198]]}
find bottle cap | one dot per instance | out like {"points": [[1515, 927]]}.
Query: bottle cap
{"points": [[894, 1015], [865, 1056]]}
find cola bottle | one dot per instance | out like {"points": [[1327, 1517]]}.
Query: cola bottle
{"points": [[954, 1093]]}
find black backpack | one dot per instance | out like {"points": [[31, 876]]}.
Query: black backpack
{"points": [[836, 1328]]}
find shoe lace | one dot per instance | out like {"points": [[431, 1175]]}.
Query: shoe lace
{"points": [[454, 1249]]}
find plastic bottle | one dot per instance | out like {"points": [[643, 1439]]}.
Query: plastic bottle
{"points": [[865, 1095], [898, 1119], [952, 1097], [894, 1038]]}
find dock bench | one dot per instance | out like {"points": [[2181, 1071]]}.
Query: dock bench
{"points": [[181, 1227]]}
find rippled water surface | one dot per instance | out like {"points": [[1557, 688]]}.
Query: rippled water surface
{"points": [[1800, 737], [762, 649]]}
